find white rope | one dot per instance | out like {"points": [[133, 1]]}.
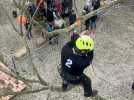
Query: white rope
{"points": [[124, 6]]}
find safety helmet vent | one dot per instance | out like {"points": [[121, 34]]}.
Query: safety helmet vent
{"points": [[85, 42]]}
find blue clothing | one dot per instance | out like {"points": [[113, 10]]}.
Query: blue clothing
{"points": [[31, 9], [50, 28]]}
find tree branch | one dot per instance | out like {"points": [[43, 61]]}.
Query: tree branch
{"points": [[24, 92]]}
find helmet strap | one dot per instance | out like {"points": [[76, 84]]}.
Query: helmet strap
{"points": [[74, 51], [77, 51]]}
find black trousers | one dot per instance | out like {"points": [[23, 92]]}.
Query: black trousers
{"points": [[76, 80]]}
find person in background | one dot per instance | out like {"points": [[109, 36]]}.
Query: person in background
{"points": [[67, 6], [58, 7], [72, 17], [31, 7], [96, 5], [41, 4], [50, 11], [90, 23], [87, 9]]}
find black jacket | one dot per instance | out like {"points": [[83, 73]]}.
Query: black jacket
{"points": [[73, 63]]}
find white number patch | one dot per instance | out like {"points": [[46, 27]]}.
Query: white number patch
{"points": [[69, 63]]}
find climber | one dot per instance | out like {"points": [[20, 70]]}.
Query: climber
{"points": [[76, 55]]}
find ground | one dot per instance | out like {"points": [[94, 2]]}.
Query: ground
{"points": [[113, 62]]}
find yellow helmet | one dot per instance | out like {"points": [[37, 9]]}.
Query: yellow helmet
{"points": [[85, 42]]}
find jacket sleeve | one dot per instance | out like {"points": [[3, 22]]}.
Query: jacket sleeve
{"points": [[91, 55]]}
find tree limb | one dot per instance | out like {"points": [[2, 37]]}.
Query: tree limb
{"points": [[25, 92]]}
